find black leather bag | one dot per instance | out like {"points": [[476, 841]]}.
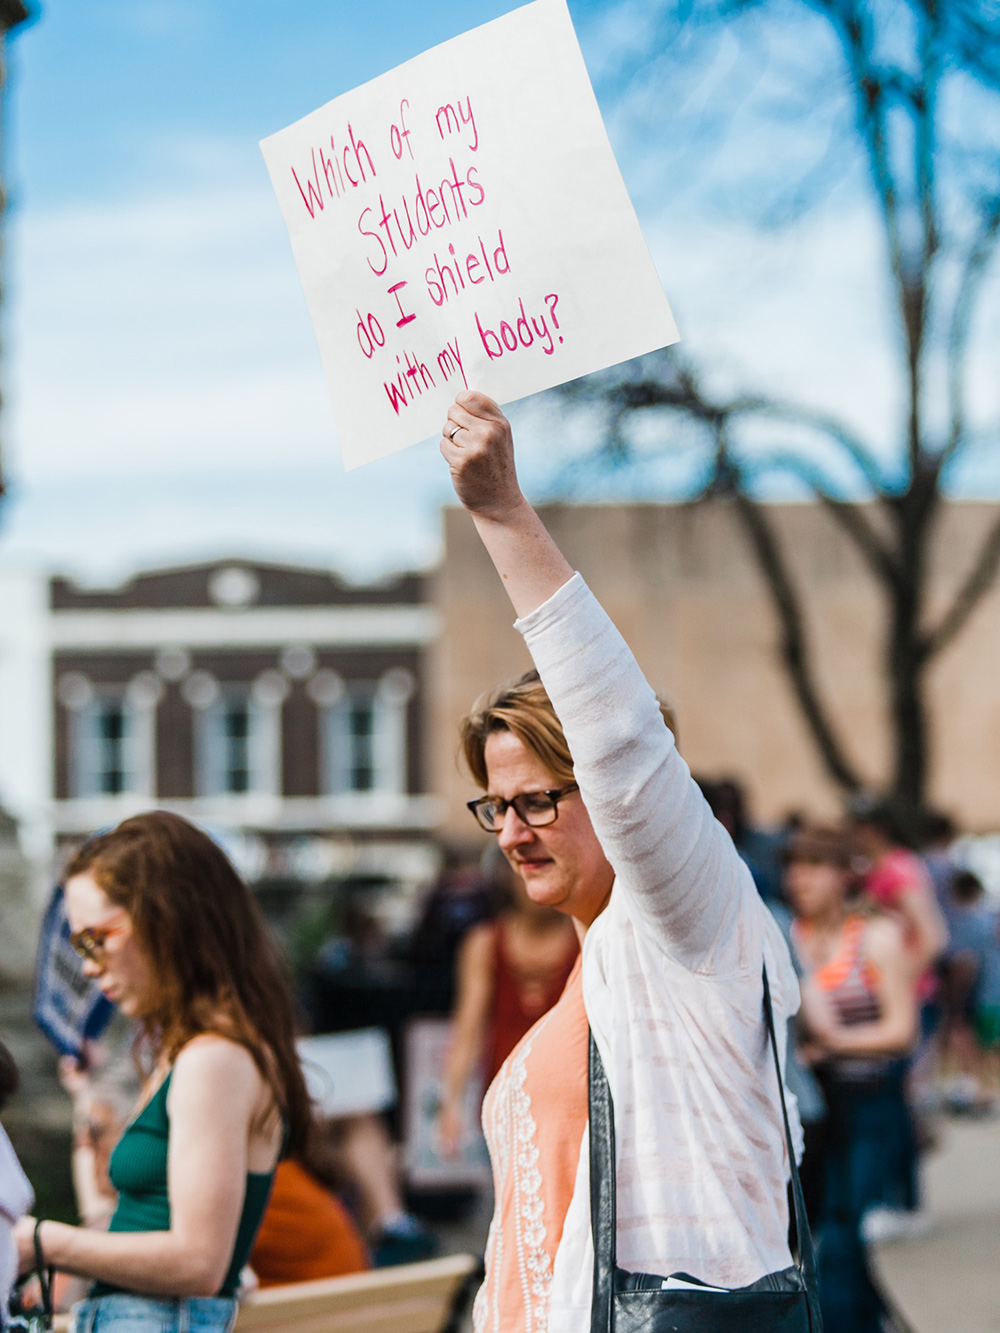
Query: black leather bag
{"points": [[782, 1302]]}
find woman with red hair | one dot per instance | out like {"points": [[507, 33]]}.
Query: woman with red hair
{"points": [[175, 940]]}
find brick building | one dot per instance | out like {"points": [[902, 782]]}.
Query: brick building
{"points": [[314, 723], [278, 705]]}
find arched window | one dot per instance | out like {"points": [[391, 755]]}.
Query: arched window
{"points": [[364, 726]]}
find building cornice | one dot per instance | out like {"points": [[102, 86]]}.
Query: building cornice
{"points": [[356, 811], [260, 627]]}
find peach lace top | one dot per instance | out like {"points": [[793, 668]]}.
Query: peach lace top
{"points": [[534, 1115]]}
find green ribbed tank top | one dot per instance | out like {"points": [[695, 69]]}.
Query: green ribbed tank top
{"points": [[138, 1171]]}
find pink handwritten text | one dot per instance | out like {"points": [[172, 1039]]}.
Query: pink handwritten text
{"points": [[433, 208], [334, 167], [456, 118], [399, 134], [523, 332], [463, 272], [410, 383], [449, 360], [369, 333]]}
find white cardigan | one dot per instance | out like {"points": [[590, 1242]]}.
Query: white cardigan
{"points": [[671, 985]]}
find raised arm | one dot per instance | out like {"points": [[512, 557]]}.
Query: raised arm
{"points": [[479, 450], [677, 865]]}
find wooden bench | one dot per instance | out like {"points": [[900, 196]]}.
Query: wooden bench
{"points": [[409, 1298]]}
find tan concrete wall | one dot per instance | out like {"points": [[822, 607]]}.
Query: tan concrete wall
{"points": [[682, 586]]}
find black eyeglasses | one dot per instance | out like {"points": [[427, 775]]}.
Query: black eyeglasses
{"points": [[534, 808]]}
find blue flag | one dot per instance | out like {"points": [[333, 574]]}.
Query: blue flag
{"points": [[69, 1007]]}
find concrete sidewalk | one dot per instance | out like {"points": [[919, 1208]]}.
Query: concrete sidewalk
{"points": [[949, 1280]]}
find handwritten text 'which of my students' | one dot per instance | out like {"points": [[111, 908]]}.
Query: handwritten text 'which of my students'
{"points": [[405, 222]]}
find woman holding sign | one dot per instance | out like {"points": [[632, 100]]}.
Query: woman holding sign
{"points": [[597, 812]]}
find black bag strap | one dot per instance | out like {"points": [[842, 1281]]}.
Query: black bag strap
{"points": [[805, 1252], [602, 1189], [603, 1220], [19, 1316], [45, 1275]]}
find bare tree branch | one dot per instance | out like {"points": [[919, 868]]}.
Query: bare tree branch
{"points": [[674, 385], [848, 515], [977, 38], [923, 105], [930, 172], [824, 424], [794, 649], [970, 285], [853, 20], [981, 578]]}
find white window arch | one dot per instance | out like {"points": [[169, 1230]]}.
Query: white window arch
{"points": [[112, 735], [364, 732], [237, 734]]}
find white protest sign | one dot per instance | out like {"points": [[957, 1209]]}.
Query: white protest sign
{"points": [[461, 222]]}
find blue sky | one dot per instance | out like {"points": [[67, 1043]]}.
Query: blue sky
{"points": [[164, 399], [123, 89]]}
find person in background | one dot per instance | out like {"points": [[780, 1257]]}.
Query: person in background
{"points": [[804, 1086], [177, 942], [510, 972], [16, 1195], [937, 843], [104, 1086], [355, 1157], [898, 883], [971, 994], [759, 849], [858, 1023], [463, 897], [306, 1232]]}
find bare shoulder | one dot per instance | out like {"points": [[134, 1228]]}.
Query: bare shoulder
{"points": [[213, 1061], [884, 939], [479, 940], [477, 953]]}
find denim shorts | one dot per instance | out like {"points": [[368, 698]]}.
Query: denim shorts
{"points": [[123, 1313]]}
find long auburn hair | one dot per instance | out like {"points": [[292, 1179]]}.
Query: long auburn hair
{"points": [[216, 968]]}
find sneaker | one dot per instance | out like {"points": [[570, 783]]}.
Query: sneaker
{"points": [[965, 1097], [402, 1240], [882, 1226]]}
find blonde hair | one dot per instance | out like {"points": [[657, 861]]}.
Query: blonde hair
{"points": [[523, 708]]}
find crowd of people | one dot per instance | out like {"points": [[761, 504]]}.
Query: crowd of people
{"points": [[898, 955], [634, 1004]]}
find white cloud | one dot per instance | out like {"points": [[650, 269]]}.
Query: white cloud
{"points": [[161, 331]]}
